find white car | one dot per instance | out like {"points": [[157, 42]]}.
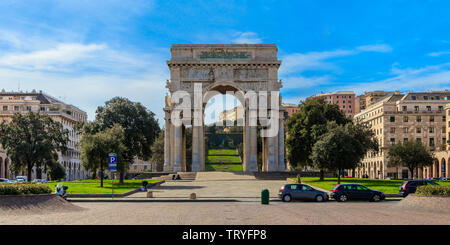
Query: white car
{"points": [[2, 180]]}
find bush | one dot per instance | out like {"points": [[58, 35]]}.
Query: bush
{"points": [[23, 189], [433, 190]]}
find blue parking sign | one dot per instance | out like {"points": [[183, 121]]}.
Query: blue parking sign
{"points": [[112, 161]]}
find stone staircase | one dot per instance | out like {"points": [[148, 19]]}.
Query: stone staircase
{"points": [[185, 176]]}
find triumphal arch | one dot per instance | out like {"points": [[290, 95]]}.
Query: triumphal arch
{"points": [[247, 71]]}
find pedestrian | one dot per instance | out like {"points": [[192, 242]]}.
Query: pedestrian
{"points": [[298, 178]]}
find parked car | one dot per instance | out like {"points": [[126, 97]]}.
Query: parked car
{"points": [[2, 180], [445, 179], [345, 192], [291, 192], [21, 178], [410, 186], [38, 180]]}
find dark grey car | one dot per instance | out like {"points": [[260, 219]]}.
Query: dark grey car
{"points": [[291, 192]]}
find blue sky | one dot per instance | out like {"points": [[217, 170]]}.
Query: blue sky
{"points": [[86, 52]]}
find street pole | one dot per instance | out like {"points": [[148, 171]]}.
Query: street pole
{"points": [[112, 184]]}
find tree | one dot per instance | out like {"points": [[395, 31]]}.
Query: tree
{"points": [[33, 140], [95, 148], [158, 151], [410, 154], [139, 125], [56, 171], [343, 147], [305, 127]]}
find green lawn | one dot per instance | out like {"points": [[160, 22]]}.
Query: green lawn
{"points": [[223, 159], [93, 186], [386, 186], [224, 167], [223, 152]]}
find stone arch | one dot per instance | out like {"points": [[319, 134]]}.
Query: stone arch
{"points": [[6, 170], [435, 168], [442, 169], [219, 69]]}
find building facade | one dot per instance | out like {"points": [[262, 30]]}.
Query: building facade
{"points": [[290, 109], [344, 99], [67, 115], [400, 117]]}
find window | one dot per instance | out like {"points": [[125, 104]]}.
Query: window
{"points": [[431, 118], [443, 118], [392, 130], [418, 130], [418, 139], [405, 119], [425, 97], [392, 140], [440, 108], [42, 108], [405, 130], [405, 139], [431, 130], [419, 119], [443, 130], [294, 187], [413, 97], [392, 119], [361, 188], [306, 188], [416, 108], [28, 108], [5, 107], [405, 108], [431, 141], [428, 108], [16, 108]]}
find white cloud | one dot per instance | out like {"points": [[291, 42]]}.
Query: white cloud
{"points": [[299, 62], [435, 54], [300, 82], [422, 79], [247, 37], [51, 59], [382, 48]]}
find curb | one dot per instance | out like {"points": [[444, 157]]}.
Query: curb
{"points": [[170, 200], [110, 195]]}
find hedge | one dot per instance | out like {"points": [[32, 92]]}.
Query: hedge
{"points": [[433, 190], [21, 189]]}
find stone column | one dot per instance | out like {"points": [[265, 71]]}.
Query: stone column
{"points": [[178, 149], [281, 163], [253, 164], [196, 148], [167, 146]]}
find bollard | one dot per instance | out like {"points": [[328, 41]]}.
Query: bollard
{"points": [[149, 194], [193, 196], [265, 196]]}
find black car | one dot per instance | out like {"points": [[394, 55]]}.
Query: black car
{"points": [[345, 192], [410, 186]]}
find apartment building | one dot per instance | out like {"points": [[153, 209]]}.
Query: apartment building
{"points": [[67, 115], [441, 164], [290, 109], [399, 117], [344, 99]]}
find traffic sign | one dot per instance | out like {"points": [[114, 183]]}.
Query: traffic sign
{"points": [[112, 161]]}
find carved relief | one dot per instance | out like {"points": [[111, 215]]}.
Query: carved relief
{"points": [[244, 74], [196, 73]]}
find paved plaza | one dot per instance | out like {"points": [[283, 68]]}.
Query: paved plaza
{"points": [[226, 199]]}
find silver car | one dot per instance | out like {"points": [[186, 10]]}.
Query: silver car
{"points": [[291, 192]]}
